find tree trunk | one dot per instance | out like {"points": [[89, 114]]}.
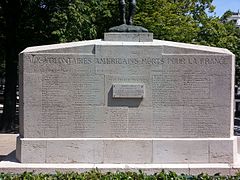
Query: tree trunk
{"points": [[11, 10]]}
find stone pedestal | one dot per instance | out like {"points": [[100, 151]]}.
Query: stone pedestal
{"points": [[126, 99]]}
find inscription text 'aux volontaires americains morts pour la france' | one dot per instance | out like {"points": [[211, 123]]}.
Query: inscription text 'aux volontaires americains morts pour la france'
{"points": [[167, 59]]}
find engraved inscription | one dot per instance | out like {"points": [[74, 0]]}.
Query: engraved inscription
{"points": [[88, 121], [59, 63], [55, 103], [117, 121], [140, 120], [167, 121], [175, 89], [165, 59], [128, 90], [127, 96], [128, 102], [63, 99], [88, 90]]}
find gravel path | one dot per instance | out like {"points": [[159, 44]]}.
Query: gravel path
{"points": [[7, 144]]}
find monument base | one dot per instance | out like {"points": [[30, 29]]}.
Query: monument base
{"points": [[126, 100], [128, 28], [127, 150], [128, 37]]}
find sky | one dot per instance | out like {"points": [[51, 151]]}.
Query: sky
{"points": [[224, 5]]}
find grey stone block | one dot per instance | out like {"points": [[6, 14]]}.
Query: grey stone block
{"points": [[133, 37], [67, 103]]}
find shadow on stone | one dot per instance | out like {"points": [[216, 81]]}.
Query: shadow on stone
{"points": [[10, 157], [123, 102]]}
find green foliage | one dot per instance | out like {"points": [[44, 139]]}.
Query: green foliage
{"points": [[226, 15], [167, 20], [81, 20], [187, 21], [224, 35], [98, 175], [53, 21], [75, 22], [173, 20]]}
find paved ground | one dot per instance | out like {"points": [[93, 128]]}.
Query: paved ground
{"points": [[7, 144]]}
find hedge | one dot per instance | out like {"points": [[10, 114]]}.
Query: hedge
{"points": [[98, 175]]}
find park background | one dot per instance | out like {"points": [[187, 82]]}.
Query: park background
{"points": [[25, 23]]}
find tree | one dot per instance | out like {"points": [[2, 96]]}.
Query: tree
{"points": [[81, 20], [219, 32], [11, 12], [187, 21], [2, 37], [177, 21], [36, 22]]}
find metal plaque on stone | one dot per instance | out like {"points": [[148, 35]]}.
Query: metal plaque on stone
{"points": [[128, 90]]}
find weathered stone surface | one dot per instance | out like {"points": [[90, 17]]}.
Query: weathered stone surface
{"points": [[67, 97], [222, 151], [128, 36], [128, 150], [128, 90]]}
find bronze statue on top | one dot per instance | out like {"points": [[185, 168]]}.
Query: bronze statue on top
{"points": [[122, 9], [127, 25]]}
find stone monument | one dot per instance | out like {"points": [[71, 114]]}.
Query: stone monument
{"points": [[126, 99]]}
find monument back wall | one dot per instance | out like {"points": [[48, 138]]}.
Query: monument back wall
{"points": [[67, 92]]}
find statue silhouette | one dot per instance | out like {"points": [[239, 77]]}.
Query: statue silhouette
{"points": [[132, 9], [127, 23]]}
